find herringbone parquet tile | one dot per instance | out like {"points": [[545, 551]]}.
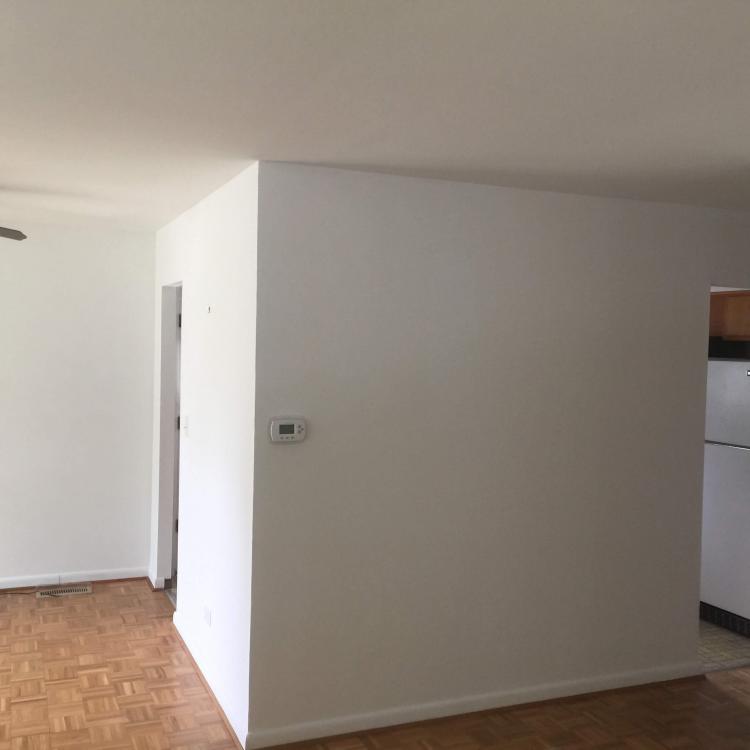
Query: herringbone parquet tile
{"points": [[105, 670], [706, 714]]}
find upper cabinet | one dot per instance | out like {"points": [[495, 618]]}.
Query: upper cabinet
{"points": [[730, 315]]}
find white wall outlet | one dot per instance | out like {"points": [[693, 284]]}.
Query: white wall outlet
{"points": [[207, 616]]}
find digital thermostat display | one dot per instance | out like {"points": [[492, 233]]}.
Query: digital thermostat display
{"points": [[287, 429]]}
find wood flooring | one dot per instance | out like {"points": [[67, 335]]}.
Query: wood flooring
{"points": [[711, 713], [108, 671], [105, 670]]}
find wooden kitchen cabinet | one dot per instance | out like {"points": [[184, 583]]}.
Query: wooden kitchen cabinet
{"points": [[730, 315]]}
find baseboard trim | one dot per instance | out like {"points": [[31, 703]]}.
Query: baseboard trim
{"points": [[314, 730], [79, 576], [725, 619]]}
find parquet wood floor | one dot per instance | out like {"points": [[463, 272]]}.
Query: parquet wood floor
{"points": [[711, 713], [108, 671], [105, 670]]}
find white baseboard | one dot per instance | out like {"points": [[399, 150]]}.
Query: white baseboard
{"points": [[78, 576], [419, 712], [157, 583]]}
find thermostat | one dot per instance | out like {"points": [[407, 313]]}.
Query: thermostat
{"points": [[287, 429]]}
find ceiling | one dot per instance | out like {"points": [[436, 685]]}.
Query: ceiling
{"points": [[132, 110]]}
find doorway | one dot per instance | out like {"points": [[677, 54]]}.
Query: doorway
{"points": [[169, 441], [171, 588], [725, 580]]}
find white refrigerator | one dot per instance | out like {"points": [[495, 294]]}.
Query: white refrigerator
{"points": [[725, 563]]}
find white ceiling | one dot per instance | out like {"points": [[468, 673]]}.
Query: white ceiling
{"points": [[131, 110]]}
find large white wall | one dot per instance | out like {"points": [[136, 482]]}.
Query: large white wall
{"points": [[211, 251], [499, 498], [76, 320]]}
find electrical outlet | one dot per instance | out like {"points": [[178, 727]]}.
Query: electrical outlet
{"points": [[207, 616]]}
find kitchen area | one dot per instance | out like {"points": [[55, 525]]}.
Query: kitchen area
{"points": [[725, 570]]}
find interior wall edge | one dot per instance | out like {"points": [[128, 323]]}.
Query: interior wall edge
{"points": [[262, 738]]}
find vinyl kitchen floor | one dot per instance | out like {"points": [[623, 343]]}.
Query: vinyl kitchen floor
{"points": [[722, 649]]}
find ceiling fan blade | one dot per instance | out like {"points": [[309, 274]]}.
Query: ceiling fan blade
{"points": [[12, 234]]}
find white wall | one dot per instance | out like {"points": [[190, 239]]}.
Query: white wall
{"points": [[76, 319], [500, 496], [211, 250]]}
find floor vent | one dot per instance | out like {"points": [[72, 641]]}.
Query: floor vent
{"points": [[79, 588]]}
